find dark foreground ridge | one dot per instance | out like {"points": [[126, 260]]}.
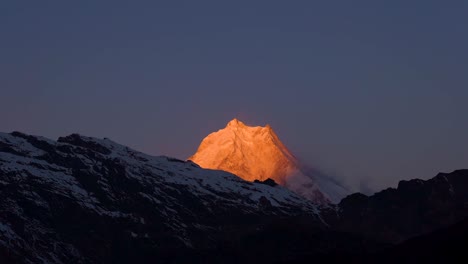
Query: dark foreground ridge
{"points": [[87, 200], [416, 207]]}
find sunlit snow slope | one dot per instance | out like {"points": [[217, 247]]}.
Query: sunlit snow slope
{"points": [[256, 153]]}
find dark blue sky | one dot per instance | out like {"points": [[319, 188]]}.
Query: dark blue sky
{"points": [[373, 91]]}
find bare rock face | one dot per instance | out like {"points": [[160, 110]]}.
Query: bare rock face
{"points": [[256, 153]]}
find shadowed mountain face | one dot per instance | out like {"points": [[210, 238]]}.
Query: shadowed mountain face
{"points": [[256, 153], [445, 245], [95, 201], [415, 207]]}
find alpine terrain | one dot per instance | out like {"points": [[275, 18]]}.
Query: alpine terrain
{"points": [[88, 200], [256, 153], [85, 200]]}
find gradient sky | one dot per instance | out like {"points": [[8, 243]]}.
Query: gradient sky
{"points": [[371, 91]]}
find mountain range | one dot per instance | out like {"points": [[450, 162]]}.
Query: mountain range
{"points": [[86, 200]]}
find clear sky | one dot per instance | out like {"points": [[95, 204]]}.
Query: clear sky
{"points": [[372, 91]]}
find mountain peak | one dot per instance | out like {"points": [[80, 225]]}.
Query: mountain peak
{"points": [[235, 123], [251, 152], [249, 131], [255, 153]]}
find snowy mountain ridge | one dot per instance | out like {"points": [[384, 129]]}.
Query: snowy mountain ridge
{"points": [[79, 179]]}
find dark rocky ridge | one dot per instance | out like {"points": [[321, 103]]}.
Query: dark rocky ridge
{"points": [[416, 207], [84, 200]]}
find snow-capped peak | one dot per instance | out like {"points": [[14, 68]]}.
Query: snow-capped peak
{"points": [[257, 153]]}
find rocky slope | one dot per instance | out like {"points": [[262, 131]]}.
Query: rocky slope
{"points": [[256, 153], [445, 245], [416, 207], [85, 200]]}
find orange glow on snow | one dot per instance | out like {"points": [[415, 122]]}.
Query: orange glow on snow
{"points": [[252, 153]]}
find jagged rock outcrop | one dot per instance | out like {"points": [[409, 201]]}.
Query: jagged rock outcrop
{"points": [[268, 181]]}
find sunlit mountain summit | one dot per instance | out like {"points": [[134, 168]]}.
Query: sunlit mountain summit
{"points": [[257, 153]]}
